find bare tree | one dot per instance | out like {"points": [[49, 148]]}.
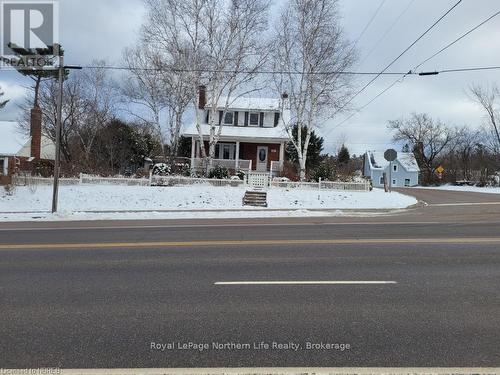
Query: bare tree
{"points": [[98, 99], [144, 87], [309, 51], [72, 111], [217, 43], [466, 144], [88, 104], [429, 139], [489, 99]]}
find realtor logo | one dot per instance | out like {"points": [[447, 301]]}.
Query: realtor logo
{"points": [[28, 24]]}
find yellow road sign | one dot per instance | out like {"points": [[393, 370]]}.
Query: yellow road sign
{"points": [[440, 169]]}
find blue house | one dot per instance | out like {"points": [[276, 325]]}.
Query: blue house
{"points": [[403, 171]]}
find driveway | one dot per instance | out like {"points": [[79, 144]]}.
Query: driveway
{"points": [[435, 196]]}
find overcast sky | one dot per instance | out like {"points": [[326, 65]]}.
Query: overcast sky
{"points": [[100, 29]]}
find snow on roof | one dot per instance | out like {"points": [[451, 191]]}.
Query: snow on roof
{"points": [[258, 104], [239, 132], [406, 159], [12, 139]]}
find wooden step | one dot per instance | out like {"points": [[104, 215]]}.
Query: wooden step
{"points": [[255, 198]]}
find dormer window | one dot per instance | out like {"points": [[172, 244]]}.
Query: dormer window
{"points": [[229, 118], [254, 119]]}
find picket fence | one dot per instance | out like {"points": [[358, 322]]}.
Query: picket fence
{"points": [[86, 179]]}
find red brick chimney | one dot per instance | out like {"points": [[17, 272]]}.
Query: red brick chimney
{"points": [[36, 132], [202, 97]]}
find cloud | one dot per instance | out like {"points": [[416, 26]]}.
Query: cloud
{"points": [[15, 93], [97, 29]]}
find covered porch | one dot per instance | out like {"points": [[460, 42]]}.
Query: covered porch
{"points": [[237, 155]]}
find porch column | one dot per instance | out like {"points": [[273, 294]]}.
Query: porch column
{"points": [[282, 155], [193, 149], [237, 158]]}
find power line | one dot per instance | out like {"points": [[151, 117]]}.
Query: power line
{"points": [[401, 80], [469, 69], [368, 24], [457, 40], [387, 31], [182, 70], [400, 55], [430, 73]]}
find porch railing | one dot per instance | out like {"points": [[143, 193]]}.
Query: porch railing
{"points": [[244, 165]]}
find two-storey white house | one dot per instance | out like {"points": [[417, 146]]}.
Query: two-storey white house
{"points": [[252, 137], [403, 171]]}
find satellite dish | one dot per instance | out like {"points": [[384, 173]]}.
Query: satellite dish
{"points": [[390, 155]]}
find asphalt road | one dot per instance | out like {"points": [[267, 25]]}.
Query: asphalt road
{"points": [[96, 295]]}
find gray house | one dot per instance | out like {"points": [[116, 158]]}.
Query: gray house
{"points": [[404, 170]]}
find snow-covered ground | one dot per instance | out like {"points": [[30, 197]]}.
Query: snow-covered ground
{"points": [[75, 202], [474, 189]]}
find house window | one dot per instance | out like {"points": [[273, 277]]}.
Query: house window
{"points": [[381, 180], [395, 167], [394, 182], [225, 151], [2, 166], [254, 119], [228, 118], [407, 182]]}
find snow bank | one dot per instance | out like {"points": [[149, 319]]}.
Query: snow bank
{"points": [[179, 199]]}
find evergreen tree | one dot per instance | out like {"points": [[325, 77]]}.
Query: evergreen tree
{"points": [[313, 152], [343, 157]]}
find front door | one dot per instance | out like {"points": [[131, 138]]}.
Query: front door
{"points": [[262, 152]]}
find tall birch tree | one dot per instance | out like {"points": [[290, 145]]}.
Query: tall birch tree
{"points": [[218, 44], [310, 51]]}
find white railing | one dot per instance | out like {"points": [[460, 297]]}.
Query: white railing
{"points": [[127, 181], [245, 165], [33, 180], [259, 179], [254, 179], [186, 181], [322, 185]]}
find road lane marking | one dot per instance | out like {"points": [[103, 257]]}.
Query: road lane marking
{"points": [[463, 204], [161, 244], [304, 282], [244, 225]]}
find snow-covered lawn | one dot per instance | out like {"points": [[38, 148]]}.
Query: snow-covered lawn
{"points": [[474, 189], [79, 198]]}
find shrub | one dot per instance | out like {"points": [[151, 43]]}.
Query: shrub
{"points": [[186, 170], [10, 189], [219, 172], [323, 171], [161, 169], [241, 175]]}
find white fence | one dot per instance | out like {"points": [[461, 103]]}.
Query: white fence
{"points": [[254, 179], [127, 181], [25, 180], [323, 185], [258, 179], [179, 180]]}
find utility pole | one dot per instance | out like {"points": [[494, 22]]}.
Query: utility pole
{"points": [[55, 191], [57, 163]]}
